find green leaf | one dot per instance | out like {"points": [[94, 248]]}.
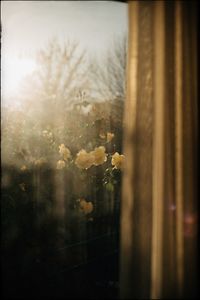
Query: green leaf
{"points": [[110, 187]]}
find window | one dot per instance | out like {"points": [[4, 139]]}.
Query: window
{"points": [[99, 135], [63, 93]]}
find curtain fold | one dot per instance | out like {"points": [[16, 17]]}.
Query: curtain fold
{"points": [[159, 201]]}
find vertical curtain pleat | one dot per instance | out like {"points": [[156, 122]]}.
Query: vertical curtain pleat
{"points": [[158, 167], [189, 111], [159, 207], [178, 99]]}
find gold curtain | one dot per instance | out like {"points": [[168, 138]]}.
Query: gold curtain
{"points": [[159, 202]]}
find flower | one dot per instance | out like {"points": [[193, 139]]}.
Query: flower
{"points": [[23, 168], [99, 155], [110, 136], [60, 164], [85, 207], [84, 159], [118, 160], [64, 151]]}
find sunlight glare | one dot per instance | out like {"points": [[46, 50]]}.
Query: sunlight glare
{"points": [[15, 71]]}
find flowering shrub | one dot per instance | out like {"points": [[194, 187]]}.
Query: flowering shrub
{"points": [[85, 160], [53, 165]]}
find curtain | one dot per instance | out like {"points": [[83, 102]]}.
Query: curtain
{"points": [[158, 257]]}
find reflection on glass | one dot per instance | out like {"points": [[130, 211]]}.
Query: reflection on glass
{"points": [[63, 89]]}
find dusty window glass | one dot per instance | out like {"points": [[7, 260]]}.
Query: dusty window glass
{"points": [[63, 92]]}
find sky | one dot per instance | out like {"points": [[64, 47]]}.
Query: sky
{"points": [[28, 25]]}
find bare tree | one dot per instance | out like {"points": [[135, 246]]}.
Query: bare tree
{"points": [[109, 76], [60, 74]]}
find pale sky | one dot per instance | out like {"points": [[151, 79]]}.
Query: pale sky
{"points": [[28, 25]]}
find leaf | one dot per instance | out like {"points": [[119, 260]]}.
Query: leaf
{"points": [[110, 187]]}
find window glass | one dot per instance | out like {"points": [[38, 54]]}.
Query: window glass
{"points": [[63, 92]]}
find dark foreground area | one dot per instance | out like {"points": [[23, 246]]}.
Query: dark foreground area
{"points": [[51, 251], [95, 279]]}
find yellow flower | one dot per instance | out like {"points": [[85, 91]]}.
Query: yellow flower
{"points": [[110, 136], [99, 155], [84, 159], [118, 160], [85, 207], [23, 168], [64, 152], [60, 164]]}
